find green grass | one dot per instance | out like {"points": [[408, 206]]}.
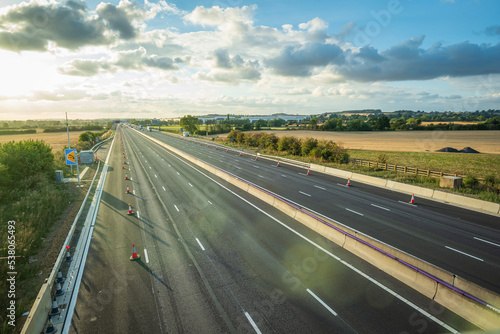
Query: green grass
{"points": [[169, 127], [478, 165]]}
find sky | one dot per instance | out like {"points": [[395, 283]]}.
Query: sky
{"points": [[161, 59]]}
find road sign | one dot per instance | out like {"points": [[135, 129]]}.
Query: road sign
{"points": [[70, 156]]}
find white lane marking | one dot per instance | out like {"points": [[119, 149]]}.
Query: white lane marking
{"points": [[169, 165], [139, 217], [303, 193], [163, 188], [210, 202], [489, 242], [145, 161], [260, 176], [408, 203], [283, 175], [322, 302], [199, 243], [472, 256], [322, 188], [380, 207], [131, 178], [178, 173], [256, 166], [221, 161], [342, 185], [237, 167], [190, 184], [133, 191], [303, 174], [149, 167], [146, 255], [162, 159], [257, 330], [354, 212], [156, 176], [176, 208]]}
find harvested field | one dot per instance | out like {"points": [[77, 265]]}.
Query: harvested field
{"points": [[57, 140], [406, 141]]}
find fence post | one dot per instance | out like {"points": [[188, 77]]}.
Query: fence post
{"points": [[416, 171], [428, 173], [405, 170]]}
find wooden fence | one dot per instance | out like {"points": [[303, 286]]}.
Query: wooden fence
{"points": [[401, 169]]}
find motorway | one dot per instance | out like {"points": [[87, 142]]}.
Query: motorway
{"points": [[215, 259], [464, 242]]}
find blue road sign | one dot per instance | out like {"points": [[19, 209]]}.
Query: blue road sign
{"points": [[70, 156]]}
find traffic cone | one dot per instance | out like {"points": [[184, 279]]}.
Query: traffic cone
{"points": [[134, 254], [59, 291], [68, 255], [50, 327], [130, 209], [348, 182], [412, 201], [278, 164], [227, 150], [308, 172], [240, 154], [256, 158], [128, 190], [126, 176], [123, 166], [55, 307], [60, 278]]}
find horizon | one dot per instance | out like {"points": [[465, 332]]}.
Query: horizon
{"points": [[157, 59]]}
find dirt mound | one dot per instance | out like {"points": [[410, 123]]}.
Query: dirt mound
{"points": [[448, 149], [468, 150]]}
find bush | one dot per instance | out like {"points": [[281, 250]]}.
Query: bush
{"points": [[382, 158], [490, 180], [308, 145], [470, 181]]}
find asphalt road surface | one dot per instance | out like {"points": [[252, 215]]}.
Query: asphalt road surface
{"points": [[217, 260], [464, 242]]}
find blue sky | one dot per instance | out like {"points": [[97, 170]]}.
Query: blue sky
{"points": [[167, 59]]}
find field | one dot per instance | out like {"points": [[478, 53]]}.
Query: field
{"points": [[406, 141], [57, 140]]}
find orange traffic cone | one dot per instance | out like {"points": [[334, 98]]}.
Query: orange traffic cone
{"points": [[256, 158], [278, 164], [134, 254], [227, 151], [348, 182], [126, 176], [412, 201], [308, 172], [123, 166], [128, 190], [130, 209], [240, 154]]}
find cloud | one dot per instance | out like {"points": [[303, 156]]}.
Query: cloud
{"points": [[301, 61], [230, 70], [136, 60], [217, 16], [119, 18], [493, 30]]}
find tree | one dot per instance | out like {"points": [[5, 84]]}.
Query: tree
{"points": [[381, 123], [308, 145], [313, 124], [189, 123]]}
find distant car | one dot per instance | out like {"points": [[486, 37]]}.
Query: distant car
{"points": [[186, 134]]}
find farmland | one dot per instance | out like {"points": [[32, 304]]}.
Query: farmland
{"points": [[56, 140], [406, 141]]}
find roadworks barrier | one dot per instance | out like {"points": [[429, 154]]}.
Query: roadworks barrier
{"points": [[472, 302]]}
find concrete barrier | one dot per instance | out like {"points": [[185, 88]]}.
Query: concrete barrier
{"points": [[285, 208], [431, 269], [263, 196], [376, 181], [405, 274], [480, 315], [473, 203], [338, 172], [477, 291], [317, 168], [410, 189]]}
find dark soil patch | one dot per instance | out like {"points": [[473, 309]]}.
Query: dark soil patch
{"points": [[468, 150]]}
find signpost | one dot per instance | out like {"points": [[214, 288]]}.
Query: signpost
{"points": [[71, 160]]}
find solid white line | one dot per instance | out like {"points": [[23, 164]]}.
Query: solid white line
{"points": [[190, 184], [320, 187], [342, 185], [169, 165], [176, 208], [163, 188], [146, 255], [149, 167], [456, 250], [145, 161], [237, 167], [380, 207], [256, 166], [283, 175], [257, 330], [303, 193], [303, 174], [133, 191], [354, 212], [199, 243], [489, 242], [162, 159], [322, 302]]}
